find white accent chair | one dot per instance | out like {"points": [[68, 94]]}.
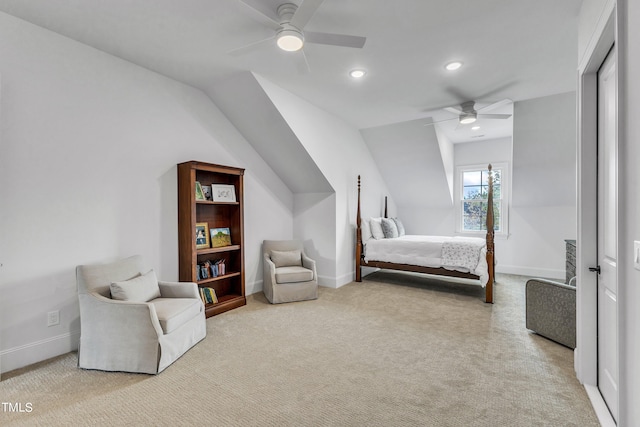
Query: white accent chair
{"points": [[289, 274], [132, 322]]}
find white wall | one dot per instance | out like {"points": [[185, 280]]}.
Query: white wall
{"points": [[409, 157], [543, 210], [88, 161], [629, 229], [341, 154], [313, 215]]}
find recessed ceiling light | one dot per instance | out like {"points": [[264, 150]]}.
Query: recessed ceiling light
{"points": [[357, 74], [452, 66], [476, 127]]}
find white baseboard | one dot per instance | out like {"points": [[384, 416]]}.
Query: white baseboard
{"points": [[547, 273], [602, 412], [28, 354], [326, 281]]}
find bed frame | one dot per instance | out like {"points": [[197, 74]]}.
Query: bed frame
{"points": [[360, 262]]}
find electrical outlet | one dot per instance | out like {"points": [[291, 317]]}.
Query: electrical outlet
{"points": [[53, 318], [636, 255]]}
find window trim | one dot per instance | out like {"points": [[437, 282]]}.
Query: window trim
{"points": [[504, 192]]}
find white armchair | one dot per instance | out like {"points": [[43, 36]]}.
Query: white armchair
{"points": [[131, 322], [289, 274]]}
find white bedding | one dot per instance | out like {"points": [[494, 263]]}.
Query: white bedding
{"points": [[465, 254]]}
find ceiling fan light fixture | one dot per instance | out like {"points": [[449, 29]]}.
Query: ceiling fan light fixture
{"points": [[454, 65], [357, 74], [290, 40], [468, 118]]}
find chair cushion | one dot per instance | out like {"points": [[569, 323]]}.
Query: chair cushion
{"points": [[142, 288], [175, 312], [286, 258], [293, 274]]}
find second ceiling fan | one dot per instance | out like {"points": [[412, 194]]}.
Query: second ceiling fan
{"points": [[468, 114]]}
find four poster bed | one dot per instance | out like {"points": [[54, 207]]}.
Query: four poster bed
{"points": [[468, 258]]}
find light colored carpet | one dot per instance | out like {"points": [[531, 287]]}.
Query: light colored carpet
{"points": [[395, 350]]}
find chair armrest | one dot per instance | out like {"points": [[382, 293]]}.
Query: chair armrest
{"points": [[310, 264], [544, 283], [105, 317], [178, 289]]}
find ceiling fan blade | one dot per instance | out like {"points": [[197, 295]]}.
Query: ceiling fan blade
{"points": [[440, 121], [335, 39], [262, 14], [304, 13], [495, 105], [453, 110], [250, 47], [494, 116], [301, 62]]}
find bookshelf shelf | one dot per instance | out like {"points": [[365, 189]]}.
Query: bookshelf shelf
{"points": [[229, 288]]}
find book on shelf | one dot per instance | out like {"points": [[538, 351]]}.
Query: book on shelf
{"points": [[211, 268], [208, 295]]}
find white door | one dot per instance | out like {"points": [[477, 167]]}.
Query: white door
{"points": [[607, 234]]}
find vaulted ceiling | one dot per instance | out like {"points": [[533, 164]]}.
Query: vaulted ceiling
{"points": [[516, 49]]}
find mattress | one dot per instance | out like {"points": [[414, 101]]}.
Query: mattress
{"points": [[464, 254]]}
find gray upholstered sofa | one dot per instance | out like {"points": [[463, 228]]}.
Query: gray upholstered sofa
{"points": [[551, 310], [289, 274], [131, 322]]}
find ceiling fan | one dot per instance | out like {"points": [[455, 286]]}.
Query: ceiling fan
{"points": [[288, 22], [467, 113]]}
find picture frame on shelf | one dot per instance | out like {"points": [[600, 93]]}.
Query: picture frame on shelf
{"points": [[223, 192], [202, 235], [206, 191], [199, 192], [220, 237]]}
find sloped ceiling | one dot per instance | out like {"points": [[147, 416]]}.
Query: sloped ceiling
{"points": [[408, 156], [247, 106]]}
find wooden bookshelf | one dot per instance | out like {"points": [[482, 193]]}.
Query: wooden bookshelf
{"points": [[229, 287]]}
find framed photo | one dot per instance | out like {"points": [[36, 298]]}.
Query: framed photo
{"points": [[223, 192], [220, 237], [206, 190], [199, 192], [202, 235]]}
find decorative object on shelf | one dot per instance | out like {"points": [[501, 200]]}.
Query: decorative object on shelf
{"points": [[223, 192], [220, 237], [206, 190], [202, 235], [199, 192]]}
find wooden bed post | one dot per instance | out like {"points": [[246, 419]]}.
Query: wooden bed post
{"points": [[490, 243], [358, 239], [385, 207]]}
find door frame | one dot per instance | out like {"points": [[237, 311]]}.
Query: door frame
{"points": [[586, 353]]}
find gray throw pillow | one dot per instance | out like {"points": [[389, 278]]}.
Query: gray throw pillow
{"points": [[389, 228], [142, 288], [286, 258]]}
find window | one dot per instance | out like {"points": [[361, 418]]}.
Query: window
{"points": [[472, 193]]}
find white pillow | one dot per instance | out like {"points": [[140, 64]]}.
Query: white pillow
{"points": [[400, 225], [376, 228], [286, 258], [365, 230], [142, 288]]}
